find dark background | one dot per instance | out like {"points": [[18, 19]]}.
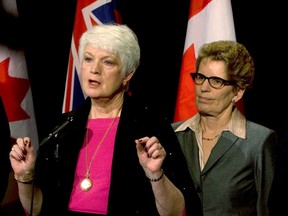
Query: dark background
{"points": [[44, 28]]}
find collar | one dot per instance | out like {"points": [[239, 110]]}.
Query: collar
{"points": [[236, 124]]}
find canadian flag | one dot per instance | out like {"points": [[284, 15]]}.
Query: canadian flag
{"points": [[15, 89], [16, 95], [209, 20]]}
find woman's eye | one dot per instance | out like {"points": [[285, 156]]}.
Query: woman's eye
{"points": [[88, 59], [107, 62], [218, 81]]}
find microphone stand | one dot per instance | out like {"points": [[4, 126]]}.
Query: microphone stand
{"points": [[54, 135]]}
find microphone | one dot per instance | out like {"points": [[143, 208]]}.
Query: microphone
{"points": [[60, 129], [66, 125]]}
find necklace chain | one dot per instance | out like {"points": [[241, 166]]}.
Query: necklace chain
{"points": [[210, 139], [97, 148], [86, 183]]}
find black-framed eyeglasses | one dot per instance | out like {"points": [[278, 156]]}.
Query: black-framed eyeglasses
{"points": [[215, 82]]}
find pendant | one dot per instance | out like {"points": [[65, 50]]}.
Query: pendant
{"points": [[86, 184]]}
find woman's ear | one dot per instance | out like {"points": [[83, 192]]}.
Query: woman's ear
{"points": [[129, 76], [126, 80], [239, 94]]}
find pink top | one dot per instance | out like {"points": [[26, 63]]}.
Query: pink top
{"points": [[95, 200]]}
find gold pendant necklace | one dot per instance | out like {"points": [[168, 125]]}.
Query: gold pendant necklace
{"points": [[86, 183]]}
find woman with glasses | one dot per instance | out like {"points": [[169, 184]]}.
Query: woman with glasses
{"points": [[231, 159]]}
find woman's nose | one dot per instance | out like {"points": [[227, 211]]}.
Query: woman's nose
{"points": [[95, 69], [205, 85]]}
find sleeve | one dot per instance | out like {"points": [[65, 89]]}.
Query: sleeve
{"points": [[5, 142], [266, 162], [176, 169]]}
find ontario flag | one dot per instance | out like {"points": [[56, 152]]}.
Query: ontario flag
{"points": [[209, 20], [88, 14], [15, 89]]}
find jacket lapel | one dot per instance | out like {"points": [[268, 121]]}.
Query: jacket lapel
{"points": [[223, 145]]}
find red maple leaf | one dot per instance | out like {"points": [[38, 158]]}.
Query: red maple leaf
{"points": [[13, 91]]}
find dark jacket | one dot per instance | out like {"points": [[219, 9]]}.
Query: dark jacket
{"points": [[5, 142], [237, 178], [130, 192]]}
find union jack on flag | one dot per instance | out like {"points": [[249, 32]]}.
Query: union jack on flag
{"points": [[88, 13]]}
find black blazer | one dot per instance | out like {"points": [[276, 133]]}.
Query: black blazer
{"points": [[5, 142], [130, 192]]}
